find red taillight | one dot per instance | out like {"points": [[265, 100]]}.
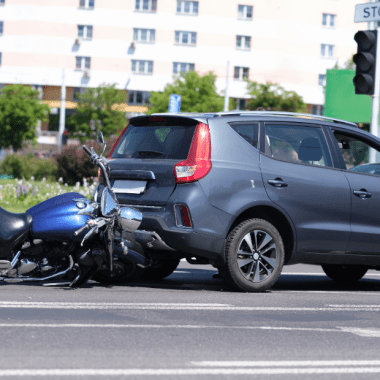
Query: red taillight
{"points": [[198, 162], [117, 141]]}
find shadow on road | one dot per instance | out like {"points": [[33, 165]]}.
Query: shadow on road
{"points": [[202, 280]]}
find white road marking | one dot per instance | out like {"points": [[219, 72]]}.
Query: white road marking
{"points": [[367, 333], [121, 326], [185, 371], [173, 306], [288, 363]]}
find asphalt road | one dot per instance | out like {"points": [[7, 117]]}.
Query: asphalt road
{"points": [[192, 326]]}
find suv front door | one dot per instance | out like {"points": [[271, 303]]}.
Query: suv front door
{"points": [[360, 159], [299, 177]]}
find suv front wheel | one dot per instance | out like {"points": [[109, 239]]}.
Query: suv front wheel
{"points": [[254, 256]]}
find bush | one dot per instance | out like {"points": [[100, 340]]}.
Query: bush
{"points": [[27, 166], [74, 163]]}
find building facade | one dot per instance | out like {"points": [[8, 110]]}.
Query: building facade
{"points": [[141, 44]]}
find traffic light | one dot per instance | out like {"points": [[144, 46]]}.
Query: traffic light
{"points": [[365, 59]]}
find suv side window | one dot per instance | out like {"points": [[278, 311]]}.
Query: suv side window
{"points": [[249, 132], [297, 144], [357, 154]]}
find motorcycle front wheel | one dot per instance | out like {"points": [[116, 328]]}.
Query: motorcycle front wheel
{"points": [[123, 272]]}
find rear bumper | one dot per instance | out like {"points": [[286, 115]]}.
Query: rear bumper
{"points": [[205, 239]]}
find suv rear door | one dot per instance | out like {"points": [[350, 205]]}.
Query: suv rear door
{"points": [[299, 176], [142, 164]]}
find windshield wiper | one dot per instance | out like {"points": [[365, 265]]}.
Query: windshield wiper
{"points": [[150, 153]]}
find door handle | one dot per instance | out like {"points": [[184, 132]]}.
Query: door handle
{"points": [[362, 194], [278, 182]]}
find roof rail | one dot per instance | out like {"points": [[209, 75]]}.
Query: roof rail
{"points": [[281, 113]]}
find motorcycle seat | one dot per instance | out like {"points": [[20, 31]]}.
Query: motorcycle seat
{"points": [[14, 228]]}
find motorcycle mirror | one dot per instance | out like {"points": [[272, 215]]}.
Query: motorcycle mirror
{"points": [[101, 141], [109, 206], [100, 138]]}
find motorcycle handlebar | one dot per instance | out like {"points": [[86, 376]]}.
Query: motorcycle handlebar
{"points": [[80, 230], [88, 151]]}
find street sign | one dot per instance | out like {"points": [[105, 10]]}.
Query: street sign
{"points": [[367, 12], [174, 103]]}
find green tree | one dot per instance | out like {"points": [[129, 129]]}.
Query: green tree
{"points": [[20, 110], [271, 96], [97, 109], [198, 94]]}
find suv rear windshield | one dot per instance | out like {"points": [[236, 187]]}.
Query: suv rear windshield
{"points": [[156, 140]]}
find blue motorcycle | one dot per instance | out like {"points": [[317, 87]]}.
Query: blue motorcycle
{"points": [[71, 238]]}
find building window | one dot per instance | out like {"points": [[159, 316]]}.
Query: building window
{"points": [[245, 12], [187, 7], [241, 73], [2, 2], [142, 67], [146, 5], [40, 90], [185, 38], [144, 35], [85, 32], [180, 67], [322, 80], [77, 92], [317, 110], [328, 20], [243, 42], [327, 51], [138, 97], [83, 63], [87, 4], [1, 27]]}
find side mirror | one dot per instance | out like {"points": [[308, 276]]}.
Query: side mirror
{"points": [[100, 138], [101, 141], [109, 205]]}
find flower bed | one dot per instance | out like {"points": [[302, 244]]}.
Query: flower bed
{"points": [[17, 195]]}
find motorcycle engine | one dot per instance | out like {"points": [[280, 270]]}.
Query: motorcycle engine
{"points": [[27, 266]]}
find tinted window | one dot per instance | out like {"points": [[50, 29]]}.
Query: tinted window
{"points": [[249, 132], [155, 141], [358, 155], [297, 144]]}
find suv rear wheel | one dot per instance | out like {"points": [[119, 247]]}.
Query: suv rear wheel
{"points": [[344, 274], [254, 256]]}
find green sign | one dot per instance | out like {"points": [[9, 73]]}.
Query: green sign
{"points": [[341, 101]]}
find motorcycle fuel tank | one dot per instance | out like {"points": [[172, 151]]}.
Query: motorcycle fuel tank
{"points": [[57, 218]]}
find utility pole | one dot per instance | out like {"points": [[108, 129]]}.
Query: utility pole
{"points": [[62, 112], [226, 96]]}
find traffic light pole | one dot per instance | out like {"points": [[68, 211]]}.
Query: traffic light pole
{"points": [[375, 100]]}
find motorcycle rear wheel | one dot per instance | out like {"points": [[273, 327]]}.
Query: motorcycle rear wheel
{"points": [[124, 272]]}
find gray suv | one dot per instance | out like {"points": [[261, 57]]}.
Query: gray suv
{"points": [[249, 192]]}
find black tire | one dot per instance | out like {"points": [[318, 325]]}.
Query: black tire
{"points": [[344, 274], [161, 269], [124, 271], [264, 256]]}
